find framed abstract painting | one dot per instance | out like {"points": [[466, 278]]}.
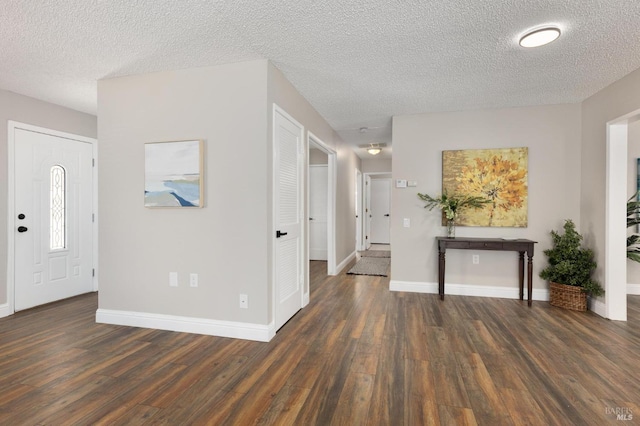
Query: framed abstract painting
{"points": [[499, 175], [173, 174]]}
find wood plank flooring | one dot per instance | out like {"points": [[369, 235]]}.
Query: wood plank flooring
{"points": [[357, 355]]}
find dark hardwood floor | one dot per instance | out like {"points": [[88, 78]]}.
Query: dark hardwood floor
{"points": [[357, 355]]}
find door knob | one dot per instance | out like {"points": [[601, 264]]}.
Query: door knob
{"points": [[22, 229], [280, 234], [386, 215]]}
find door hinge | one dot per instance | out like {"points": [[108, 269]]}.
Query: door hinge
{"points": [[366, 238], [93, 162], [93, 217], [93, 272]]}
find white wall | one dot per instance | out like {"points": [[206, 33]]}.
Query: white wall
{"points": [[552, 134], [38, 113], [226, 242]]}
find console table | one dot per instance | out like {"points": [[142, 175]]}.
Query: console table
{"points": [[520, 245]]}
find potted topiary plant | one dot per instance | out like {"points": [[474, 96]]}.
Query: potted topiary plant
{"points": [[570, 270]]}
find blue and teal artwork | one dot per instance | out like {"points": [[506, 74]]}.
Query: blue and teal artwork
{"points": [[173, 174]]}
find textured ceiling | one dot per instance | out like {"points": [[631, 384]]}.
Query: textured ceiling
{"points": [[357, 62]]}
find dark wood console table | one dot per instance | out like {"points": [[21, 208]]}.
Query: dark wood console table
{"points": [[520, 245]]}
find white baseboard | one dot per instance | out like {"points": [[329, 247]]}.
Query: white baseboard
{"points": [[633, 289], [237, 330], [345, 262], [5, 310], [598, 306], [467, 290], [317, 254]]}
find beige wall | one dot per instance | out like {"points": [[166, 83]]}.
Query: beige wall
{"points": [[317, 157], [376, 165], [616, 100], [552, 134], [38, 113], [226, 242], [287, 97]]}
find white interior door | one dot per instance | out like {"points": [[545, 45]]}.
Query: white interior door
{"points": [[53, 223], [367, 212], [288, 246], [318, 200], [380, 211]]}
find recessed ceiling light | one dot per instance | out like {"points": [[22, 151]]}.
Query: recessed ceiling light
{"points": [[540, 37]]}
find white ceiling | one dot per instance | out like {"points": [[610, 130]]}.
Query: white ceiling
{"points": [[358, 62]]}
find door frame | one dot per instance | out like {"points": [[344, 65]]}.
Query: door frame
{"points": [[303, 243], [331, 202], [359, 213], [12, 126]]}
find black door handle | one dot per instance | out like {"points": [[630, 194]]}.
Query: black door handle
{"points": [[386, 215], [280, 234], [310, 218], [22, 229]]}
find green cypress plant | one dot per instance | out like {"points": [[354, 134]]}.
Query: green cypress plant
{"points": [[570, 263]]}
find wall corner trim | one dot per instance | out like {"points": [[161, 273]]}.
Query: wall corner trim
{"points": [[345, 262], [467, 290], [236, 330]]}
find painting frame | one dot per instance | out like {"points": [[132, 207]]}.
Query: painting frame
{"points": [[174, 174], [498, 174]]}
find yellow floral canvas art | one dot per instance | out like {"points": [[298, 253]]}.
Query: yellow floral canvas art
{"points": [[499, 175]]}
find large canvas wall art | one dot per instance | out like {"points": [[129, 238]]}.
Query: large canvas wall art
{"points": [[173, 174], [499, 175]]}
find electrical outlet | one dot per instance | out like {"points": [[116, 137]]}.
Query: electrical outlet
{"points": [[476, 259], [244, 301], [406, 222], [173, 279], [193, 280]]}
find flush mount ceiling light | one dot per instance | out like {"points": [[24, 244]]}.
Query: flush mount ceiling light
{"points": [[540, 36], [373, 148]]}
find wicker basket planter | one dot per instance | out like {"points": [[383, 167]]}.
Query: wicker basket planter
{"points": [[567, 297]]}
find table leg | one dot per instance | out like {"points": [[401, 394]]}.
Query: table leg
{"points": [[530, 278], [441, 267], [521, 272]]}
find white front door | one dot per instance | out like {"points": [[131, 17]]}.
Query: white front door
{"points": [[53, 218], [380, 211], [318, 197], [288, 246]]}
